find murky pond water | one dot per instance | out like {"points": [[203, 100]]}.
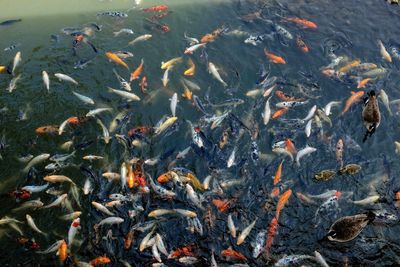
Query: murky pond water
{"points": [[224, 133]]}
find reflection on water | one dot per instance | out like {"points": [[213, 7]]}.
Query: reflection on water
{"points": [[231, 128]]}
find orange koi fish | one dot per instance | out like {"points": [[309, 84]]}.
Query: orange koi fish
{"points": [[113, 57], [278, 174], [62, 251], [183, 251], [222, 205], [349, 66], [100, 260], [272, 229], [136, 73], [302, 22], [302, 45], [158, 8], [50, 129], [191, 70], [77, 120], [130, 177], [274, 58], [210, 37], [187, 93], [282, 201], [355, 96], [362, 83], [233, 254], [279, 113], [164, 178], [290, 147]]}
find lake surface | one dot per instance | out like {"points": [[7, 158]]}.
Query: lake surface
{"points": [[345, 28]]}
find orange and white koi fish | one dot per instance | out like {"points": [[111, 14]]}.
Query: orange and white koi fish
{"points": [[302, 22], [274, 58], [136, 73], [75, 226], [282, 201], [113, 57], [290, 147], [355, 96], [192, 68]]}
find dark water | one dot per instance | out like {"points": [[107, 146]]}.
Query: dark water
{"points": [[345, 28]]}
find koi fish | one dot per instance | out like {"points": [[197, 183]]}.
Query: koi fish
{"points": [[136, 73], [46, 80], [187, 93], [278, 173], [63, 251], [222, 205], [143, 37], [17, 60], [101, 260], [75, 226], [113, 57], [289, 145], [158, 8], [355, 96], [279, 113], [349, 66], [190, 50], [214, 71], [170, 63], [384, 53], [192, 68], [49, 129], [286, 97], [272, 229], [302, 22], [143, 85], [305, 151], [302, 45], [282, 201], [274, 58], [210, 37], [363, 82], [230, 253]]}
